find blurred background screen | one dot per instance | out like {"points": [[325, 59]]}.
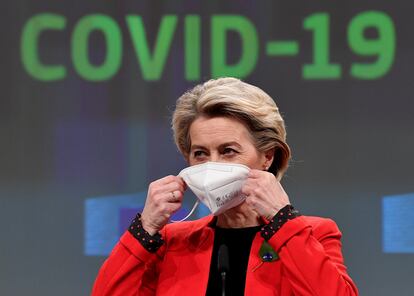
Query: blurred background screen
{"points": [[87, 91]]}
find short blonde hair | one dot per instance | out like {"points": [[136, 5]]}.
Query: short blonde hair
{"points": [[233, 98]]}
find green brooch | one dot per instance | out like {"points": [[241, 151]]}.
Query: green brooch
{"points": [[267, 254]]}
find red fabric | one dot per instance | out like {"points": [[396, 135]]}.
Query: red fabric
{"points": [[310, 262]]}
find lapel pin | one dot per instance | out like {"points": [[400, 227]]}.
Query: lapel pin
{"points": [[267, 254]]}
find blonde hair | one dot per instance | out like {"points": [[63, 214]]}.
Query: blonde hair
{"points": [[233, 98]]}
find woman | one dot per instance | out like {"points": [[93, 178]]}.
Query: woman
{"points": [[272, 249]]}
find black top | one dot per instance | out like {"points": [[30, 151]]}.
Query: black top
{"points": [[239, 242]]}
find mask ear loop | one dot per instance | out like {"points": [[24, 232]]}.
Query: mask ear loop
{"points": [[191, 212]]}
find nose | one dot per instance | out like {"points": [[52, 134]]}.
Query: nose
{"points": [[215, 157]]}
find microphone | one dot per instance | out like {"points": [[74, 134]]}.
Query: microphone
{"points": [[223, 266]]}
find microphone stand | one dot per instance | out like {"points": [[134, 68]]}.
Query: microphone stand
{"points": [[223, 283], [223, 266]]}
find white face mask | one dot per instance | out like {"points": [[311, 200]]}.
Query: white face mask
{"points": [[217, 185]]}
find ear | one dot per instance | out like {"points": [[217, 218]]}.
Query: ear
{"points": [[269, 156]]}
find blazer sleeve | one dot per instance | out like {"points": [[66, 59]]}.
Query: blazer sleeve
{"points": [[129, 270], [310, 251]]}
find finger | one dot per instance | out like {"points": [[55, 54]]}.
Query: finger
{"points": [[255, 174], [246, 190], [172, 187], [170, 179], [251, 201], [165, 180], [172, 197], [173, 208], [251, 183], [178, 180], [185, 185], [176, 196]]}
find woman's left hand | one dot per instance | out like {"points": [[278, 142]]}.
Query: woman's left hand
{"points": [[264, 193]]}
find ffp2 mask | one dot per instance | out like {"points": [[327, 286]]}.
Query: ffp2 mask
{"points": [[217, 185]]}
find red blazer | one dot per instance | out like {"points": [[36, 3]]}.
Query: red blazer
{"points": [[310, 262]]}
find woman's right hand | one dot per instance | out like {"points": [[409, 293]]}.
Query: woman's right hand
{"points": [[164, 198]]}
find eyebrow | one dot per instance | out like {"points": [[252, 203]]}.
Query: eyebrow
{"points": [[193, 147]]}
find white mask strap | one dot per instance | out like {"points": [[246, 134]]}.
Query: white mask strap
{"points": [[191, 212]]}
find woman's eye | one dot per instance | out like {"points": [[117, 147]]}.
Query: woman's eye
{"points": [[198, 153], [229, 151]]}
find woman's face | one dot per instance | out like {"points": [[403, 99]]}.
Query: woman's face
{"points": [[224, 139]]}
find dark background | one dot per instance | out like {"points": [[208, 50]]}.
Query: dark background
{"points": [[64, 142]]}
